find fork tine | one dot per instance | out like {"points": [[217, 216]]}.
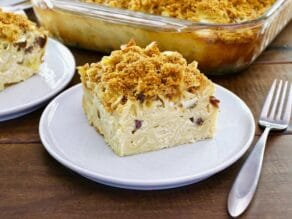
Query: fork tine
{"points": [[272, 114], [288, 109], [268, 100], [281, 105]]}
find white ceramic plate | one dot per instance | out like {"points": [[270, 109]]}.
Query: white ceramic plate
{"points": [[55, 74], [9, 2], [69, 138], [15, 6]]}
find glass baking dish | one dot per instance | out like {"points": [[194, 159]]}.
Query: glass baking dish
{"points": [[218, 48]]}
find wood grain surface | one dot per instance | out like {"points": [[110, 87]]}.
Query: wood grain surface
{"points": [[34, 185]]}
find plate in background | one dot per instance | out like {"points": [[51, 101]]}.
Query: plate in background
{"points": [[55, 74]]}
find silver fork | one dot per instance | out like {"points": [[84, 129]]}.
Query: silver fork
{"points": [[275, 115]]}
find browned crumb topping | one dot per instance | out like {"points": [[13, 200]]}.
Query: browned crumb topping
{"points": [[12, 25], [217, 11], [142, 75]]}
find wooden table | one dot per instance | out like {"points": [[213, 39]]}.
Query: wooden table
{"points": [[34, 185]]}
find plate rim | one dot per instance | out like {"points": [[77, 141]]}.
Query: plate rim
{"points": [[32, 104], [22, 113], [150, 184]]}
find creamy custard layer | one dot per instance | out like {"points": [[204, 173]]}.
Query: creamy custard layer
{"points": [[161, 126]]}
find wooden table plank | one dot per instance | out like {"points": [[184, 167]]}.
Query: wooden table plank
{"points": [[21, 130], [52, 190], [275, 56]]}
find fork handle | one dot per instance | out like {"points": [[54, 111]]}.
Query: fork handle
{"points": [[246, 182]]}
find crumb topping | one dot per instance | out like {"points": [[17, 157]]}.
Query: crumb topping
{"points": [[12, 26], [142, 75], [214, 11]]}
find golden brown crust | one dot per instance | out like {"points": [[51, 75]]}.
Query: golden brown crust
{"points": [[12, 26], [217, 11], [142, 75]]}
